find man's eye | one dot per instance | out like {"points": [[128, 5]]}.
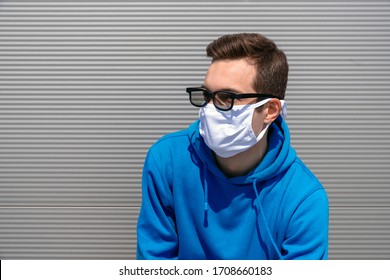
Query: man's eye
{"points": [[223, 96]]}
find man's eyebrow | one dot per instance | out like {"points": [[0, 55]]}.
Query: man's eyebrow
{"points": [[222, 89], [203, 86]]}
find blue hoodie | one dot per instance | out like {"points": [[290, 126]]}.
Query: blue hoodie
{"points": [[191, 210]]}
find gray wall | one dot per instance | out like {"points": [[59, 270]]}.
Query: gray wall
{"points": [[87, 87]]}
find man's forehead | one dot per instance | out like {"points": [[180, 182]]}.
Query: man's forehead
{"points": [[230, 75]]}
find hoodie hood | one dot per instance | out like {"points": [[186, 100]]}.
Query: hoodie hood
{"points": [[278, 158]]}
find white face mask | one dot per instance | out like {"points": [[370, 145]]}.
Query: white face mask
{"points": [[228, 133]]}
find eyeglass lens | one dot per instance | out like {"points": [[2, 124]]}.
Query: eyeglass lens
{"points": [[198, 98], [222, 100]]}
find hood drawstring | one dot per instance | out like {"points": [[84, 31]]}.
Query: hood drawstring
{"points": [[206, 196], [262, 219]]}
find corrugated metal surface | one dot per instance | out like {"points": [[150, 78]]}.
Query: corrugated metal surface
{"points": [[87, 87], [67, 232], [359, 233]]}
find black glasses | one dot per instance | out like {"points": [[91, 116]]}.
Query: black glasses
{"points": [[223, 100]]}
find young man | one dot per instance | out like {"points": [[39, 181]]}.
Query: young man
{"points": [[231, 186]]}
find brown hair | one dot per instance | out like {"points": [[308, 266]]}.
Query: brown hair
{"points": [[271, 62]]}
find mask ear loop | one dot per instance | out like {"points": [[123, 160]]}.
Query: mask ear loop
{"points": [[262, 132], [283, 112], [255, 106]]}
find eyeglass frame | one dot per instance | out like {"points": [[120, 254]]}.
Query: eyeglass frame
{"points": [[211, 95]]}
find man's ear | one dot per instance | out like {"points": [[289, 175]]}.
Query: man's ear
{"points": [[272, 110]]}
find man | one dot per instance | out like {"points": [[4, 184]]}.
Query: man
{"points": [[231, 186]]}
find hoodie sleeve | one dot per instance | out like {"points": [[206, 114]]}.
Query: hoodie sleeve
{"points": [[156, 231], [307, 234]]}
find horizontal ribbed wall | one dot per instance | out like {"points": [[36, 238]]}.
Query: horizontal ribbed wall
{"points": [[359, 233], [67, 233], [87, 87]]}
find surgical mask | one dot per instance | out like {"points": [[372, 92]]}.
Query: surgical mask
{"points": [[228, 133]]}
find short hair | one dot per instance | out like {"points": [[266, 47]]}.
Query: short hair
{"points": [[270, 62]]}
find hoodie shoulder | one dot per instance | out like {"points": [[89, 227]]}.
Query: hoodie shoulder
{"points": [[173, 143], [177, 136], [173, 136], [305, 172], [301, 183]]}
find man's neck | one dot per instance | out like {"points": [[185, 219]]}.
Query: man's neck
{"points": [[242, 163]]}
